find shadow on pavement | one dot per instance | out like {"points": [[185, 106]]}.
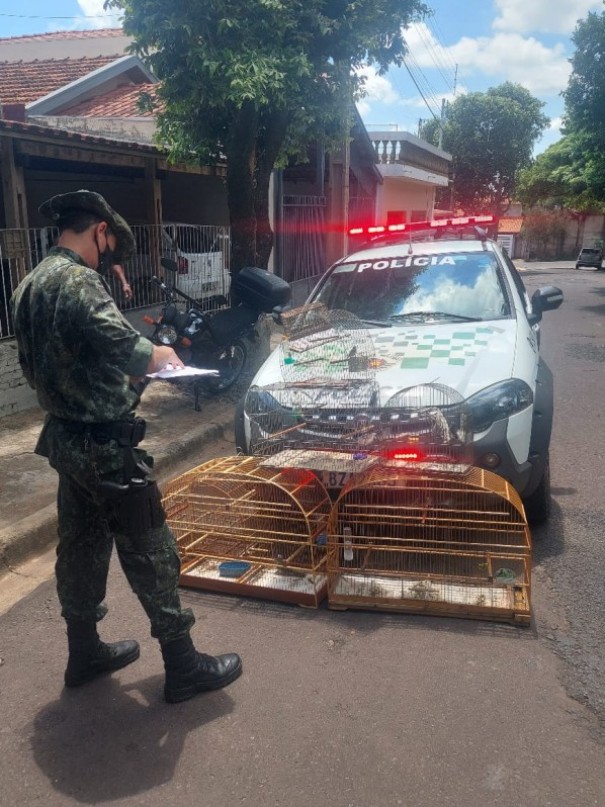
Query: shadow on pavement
{"points": [[107, 741], [360, 621], [549, 541]]}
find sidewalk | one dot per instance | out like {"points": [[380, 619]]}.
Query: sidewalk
{"points": [[175, 433]]}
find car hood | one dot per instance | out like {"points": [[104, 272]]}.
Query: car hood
{"points": [[466, 357]]}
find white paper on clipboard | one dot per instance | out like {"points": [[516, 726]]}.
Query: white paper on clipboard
{"points": [[180, 372]]}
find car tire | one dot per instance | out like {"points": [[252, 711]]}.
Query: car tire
{"points": [[538, 504]]}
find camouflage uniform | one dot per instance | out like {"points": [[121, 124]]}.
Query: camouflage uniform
{"points": [[78, 351]]}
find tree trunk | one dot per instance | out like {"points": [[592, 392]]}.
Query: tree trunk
{"points": [[241, 162], [271, 137]]}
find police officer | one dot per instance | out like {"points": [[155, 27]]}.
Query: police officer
{"points": [[83, 359]]}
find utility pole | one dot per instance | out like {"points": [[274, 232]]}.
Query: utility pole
{"points": [[441, 122]]}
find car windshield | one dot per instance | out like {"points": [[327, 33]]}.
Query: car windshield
{"points": [[389, 290]]}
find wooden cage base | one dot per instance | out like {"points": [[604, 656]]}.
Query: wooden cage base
{"points": [[409, 595], [298, 587]]}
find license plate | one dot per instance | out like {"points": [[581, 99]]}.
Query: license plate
{"points": [[334, 479]]}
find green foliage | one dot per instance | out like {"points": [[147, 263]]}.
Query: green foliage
{"points": [[545, 232], [585, 93], [567, 175], [490, 136], [256, 80]]}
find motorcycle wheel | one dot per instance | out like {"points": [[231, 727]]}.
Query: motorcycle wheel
{"points": [[229, 365]]}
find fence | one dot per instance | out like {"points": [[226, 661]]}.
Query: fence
{"points": [[302, 236], [199, 254]]}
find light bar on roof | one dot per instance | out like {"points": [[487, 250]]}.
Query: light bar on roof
{"points": [[434, 224]]}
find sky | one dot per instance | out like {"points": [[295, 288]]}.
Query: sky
{"points": [[466, 46]]}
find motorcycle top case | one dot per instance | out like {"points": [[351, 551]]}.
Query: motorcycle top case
{"points": [[260, 289]]}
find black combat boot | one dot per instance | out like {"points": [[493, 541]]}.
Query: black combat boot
{"points": [[189, 672], [89, 656]]}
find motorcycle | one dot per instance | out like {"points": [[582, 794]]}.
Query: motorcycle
{"points": [[216, 340]]}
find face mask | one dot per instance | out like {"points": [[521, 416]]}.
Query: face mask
{"points": [[106, 260]]}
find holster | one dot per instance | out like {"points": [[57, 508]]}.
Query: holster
{"points": [[137, 510]]}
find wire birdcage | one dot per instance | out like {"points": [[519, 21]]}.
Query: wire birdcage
{"points": [[455, 545], [427, 427], [327, 381], [250, 529]]}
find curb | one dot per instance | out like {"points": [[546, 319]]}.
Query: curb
{"points": [[35, 534]]}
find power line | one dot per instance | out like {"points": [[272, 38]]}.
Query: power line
{"points": [[437, 33], [428, 42], [423, 79], [405, 64]]}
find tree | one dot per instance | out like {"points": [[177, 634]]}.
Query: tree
{"points": [[490, 136], [585, 112], [585, 93], [567, 175], [545, 232], [254, 81]]}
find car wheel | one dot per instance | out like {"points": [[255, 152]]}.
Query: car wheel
{"points": [[538, 504]]}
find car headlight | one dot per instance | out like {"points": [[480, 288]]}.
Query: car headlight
{"points": [[498, 402], [267, 413]]}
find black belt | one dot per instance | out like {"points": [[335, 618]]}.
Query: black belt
{"points": [[127, 433]]}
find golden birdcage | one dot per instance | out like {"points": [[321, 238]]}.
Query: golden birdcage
{"points": [[251, 529], [455, 545]]}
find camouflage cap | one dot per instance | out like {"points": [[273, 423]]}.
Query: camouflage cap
{"points": [[93, 202]]}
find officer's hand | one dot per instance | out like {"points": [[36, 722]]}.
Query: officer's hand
{"points": [[162, 356]]}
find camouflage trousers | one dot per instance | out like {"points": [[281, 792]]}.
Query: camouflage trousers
{"points": [[87, 534]]}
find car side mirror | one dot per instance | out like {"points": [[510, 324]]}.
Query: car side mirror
{"points": [[548, 298]]}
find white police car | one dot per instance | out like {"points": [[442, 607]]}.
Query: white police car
{"points": [[444, 305]]}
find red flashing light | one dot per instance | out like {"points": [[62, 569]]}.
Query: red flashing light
{"points": [[434, 224], [405, 454]]}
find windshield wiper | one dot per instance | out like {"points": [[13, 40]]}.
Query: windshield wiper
{"points": [[378, 323], [438, 314]]}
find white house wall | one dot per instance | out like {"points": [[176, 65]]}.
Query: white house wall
{"points": [[131, 130], [404, 195]]}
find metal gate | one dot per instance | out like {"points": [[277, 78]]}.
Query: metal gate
{"points": [[302, 237]]}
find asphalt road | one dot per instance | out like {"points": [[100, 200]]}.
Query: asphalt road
{"points": [[571, 550], [347, 709]]}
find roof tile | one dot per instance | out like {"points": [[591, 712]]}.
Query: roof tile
{"points": [[510, 224], [25, 82], [122, 102], [91, 33]]}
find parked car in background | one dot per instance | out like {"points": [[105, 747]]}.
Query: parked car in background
{"points": [[200, 255], [590, 257]]}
